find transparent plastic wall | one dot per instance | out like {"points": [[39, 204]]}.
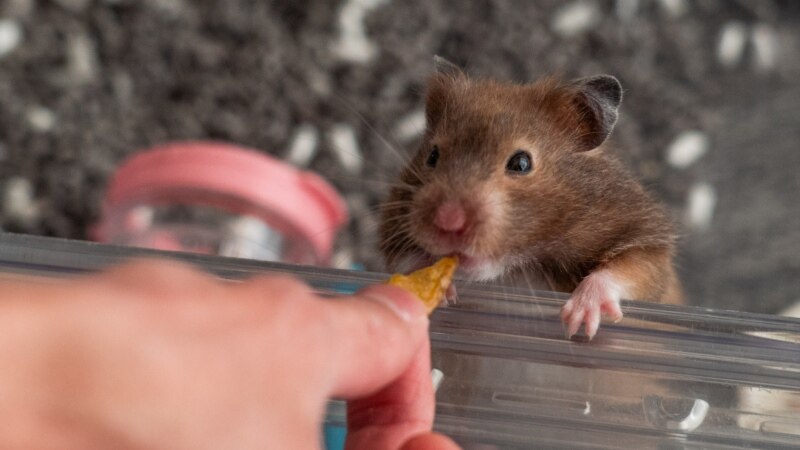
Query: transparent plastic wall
{"points": [[663, 378]]}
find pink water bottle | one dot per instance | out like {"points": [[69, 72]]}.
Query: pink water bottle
{"points": [[217, 198]]}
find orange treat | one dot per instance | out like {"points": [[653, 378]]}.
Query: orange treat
{"points": [[429, 283]]}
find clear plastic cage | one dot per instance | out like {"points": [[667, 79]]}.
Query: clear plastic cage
{"points": [[664, 377]]}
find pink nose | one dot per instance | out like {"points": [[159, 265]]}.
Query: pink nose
{"points": [[450, 216]]}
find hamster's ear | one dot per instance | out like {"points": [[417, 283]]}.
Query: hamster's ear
{"points": [[446, 77], [597, 100], [445, 68]]}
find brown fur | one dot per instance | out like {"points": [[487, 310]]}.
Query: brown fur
{"points": [[578, 210]]}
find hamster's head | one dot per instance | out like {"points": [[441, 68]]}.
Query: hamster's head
{"points": [[491, 180]]}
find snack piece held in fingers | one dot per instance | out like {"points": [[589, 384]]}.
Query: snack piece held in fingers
{"points": [[429, 283]]}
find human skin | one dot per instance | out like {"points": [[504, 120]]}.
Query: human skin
{"points": [[155, 354]]}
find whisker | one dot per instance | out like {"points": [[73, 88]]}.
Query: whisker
{"points": [[405, 159], [526, 277], [392, 211], [398, 184]]}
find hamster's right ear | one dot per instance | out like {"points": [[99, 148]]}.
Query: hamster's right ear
{"points": [[445, 78], [597, 101]]}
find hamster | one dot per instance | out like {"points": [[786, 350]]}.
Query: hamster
{"points": [[516, 181]]}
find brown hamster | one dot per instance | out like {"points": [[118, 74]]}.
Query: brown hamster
{"points": [[514, 179]]}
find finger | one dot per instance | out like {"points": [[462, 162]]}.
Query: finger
{"points": [[430, 441], [397, 412], [371, 338]]}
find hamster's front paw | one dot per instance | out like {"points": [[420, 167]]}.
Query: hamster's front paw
{"points": [[597, 294]]}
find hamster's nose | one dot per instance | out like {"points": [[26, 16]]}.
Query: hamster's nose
{"points": [[450, 216]]}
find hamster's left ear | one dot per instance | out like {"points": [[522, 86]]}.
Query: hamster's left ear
{"points": [[597, 100], [443, 67], [446, 78]]}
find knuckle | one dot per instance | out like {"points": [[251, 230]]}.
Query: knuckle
{"points": [[282, 295], [161, 272]]}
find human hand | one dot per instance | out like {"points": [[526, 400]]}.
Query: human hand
{"points": [[157, 355]]}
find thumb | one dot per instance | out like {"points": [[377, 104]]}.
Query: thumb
{"points": [[374, 336]]}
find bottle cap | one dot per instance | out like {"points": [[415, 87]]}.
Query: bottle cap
{"points": [[297, 203]]}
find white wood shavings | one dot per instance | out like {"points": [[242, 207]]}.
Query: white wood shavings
{"points": [[303, 146], [40, 119], [732, 41], [410, 126], [792, 311], [765, 47], [674, 8], [18, 201], [575, 18], [687, 148], [437, 376], [700, 206], [81, 59], [249, 237], [627, 9], [10, 36], [319, 82], [345, 147], [353, 44]]}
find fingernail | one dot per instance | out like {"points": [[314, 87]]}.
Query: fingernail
{"points": [[401, 302]]}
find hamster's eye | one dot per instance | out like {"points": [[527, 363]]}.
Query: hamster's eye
{"points": [[433, 157], [520, 163]]}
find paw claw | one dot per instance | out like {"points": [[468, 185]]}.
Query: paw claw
{"points": [[574, 323], [612, 310], [592, 321], [591, 299], [450, 295]]}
